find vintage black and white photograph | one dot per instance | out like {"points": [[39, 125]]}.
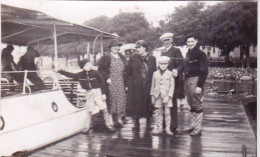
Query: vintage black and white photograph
{"points": [[128, 78]]}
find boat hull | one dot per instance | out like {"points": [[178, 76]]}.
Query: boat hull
{"points": [[33, 121]]}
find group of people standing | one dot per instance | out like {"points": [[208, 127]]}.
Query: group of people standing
{"points": [[141, 89]]}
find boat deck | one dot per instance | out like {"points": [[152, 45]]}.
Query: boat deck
{"points": [[225, 130]]}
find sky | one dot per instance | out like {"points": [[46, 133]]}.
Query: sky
{"points": [[80, 11]]}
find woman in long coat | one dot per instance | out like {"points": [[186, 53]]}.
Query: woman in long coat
{"points": [[112, 67], [139, 74]]}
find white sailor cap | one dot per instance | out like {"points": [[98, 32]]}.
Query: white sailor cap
{"points": [[166, 36], [163, 59]]}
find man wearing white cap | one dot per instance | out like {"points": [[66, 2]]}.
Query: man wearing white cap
{"points": [[176, 67]]}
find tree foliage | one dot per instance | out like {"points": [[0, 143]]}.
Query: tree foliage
{"points": [[185, 20], [129, 26], [225, 25], [101, 22]]}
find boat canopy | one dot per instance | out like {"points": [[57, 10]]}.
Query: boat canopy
{"points": [[25, 27]]}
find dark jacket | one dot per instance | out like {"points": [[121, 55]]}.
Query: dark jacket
{"points": [[176, 62], [138, 98], [196, 64], [7, 61], [104, 65], [88, 79], [26, 63]]}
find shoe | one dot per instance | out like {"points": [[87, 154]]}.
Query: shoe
{"points": [[119, 121], [136, 128], [111, 129], [149, 128], [176, 131], [195, 133], [188, 130], [117, 125], [156, 132], [169, 133], [85, 132]]}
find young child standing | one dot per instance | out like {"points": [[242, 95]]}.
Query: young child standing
{"points": [[93, 84], [162, 90]]}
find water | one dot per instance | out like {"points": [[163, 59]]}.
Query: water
{"points": [[239, 86], [218, 90]]}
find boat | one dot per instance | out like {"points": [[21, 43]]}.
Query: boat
{"points": [[29, 118]]}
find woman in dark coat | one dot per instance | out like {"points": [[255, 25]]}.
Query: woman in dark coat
{"points": [[139, 74], [112, 67]]}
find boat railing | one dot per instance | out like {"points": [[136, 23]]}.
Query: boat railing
{"points": [[26, 87]]}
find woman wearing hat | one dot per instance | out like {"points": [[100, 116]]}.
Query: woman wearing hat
{"points": [[112, 67], [139, 74]]}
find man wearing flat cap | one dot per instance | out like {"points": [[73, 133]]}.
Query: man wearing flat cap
{"points": [[176, 67]]}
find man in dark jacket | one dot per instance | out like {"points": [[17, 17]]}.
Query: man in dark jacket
{"points": [[196, 71], [176, 66], [9, 65], [26, 62]]}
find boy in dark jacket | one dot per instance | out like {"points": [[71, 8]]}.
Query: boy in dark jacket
{"points": [[93, 86], [196, 72]]}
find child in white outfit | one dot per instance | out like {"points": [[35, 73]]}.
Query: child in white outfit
{"points": [[162, 90]]}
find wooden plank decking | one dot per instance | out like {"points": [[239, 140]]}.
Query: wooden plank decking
{"points": [[225, 129]]}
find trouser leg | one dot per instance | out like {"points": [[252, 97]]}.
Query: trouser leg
{"points": [[197, 124], [193, 120], [158, 122], [168, 121], [36, 80], [88, 122], [108, 120], [191, 123], [174, 115]]}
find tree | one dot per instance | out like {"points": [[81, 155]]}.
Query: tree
{"points": [[129, 26], [232, 24], [225, 25], [101, 22], [186, 20]]}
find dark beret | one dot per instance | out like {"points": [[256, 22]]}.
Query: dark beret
{"points": [[115, 42], [83, 62], [141, 43], [10, 47]]}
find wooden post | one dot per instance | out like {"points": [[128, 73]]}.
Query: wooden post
{"points": [[55, 48], [88, 51], [101, 49]]}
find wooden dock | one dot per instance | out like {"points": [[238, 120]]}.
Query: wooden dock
{"points": [[226, 131]]}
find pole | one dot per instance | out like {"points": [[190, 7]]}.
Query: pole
{"points": [[95, 42], [0, 90], [88, 52], [55, 48], [102, 48], [56, 81]]}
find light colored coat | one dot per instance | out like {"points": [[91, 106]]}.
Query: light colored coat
{"points": [[162, 84]]}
